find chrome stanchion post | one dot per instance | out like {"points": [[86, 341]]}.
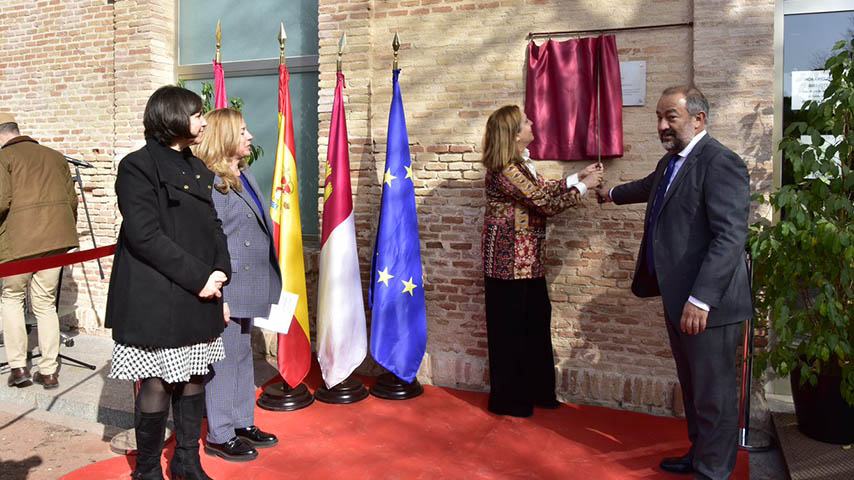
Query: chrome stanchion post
{"points": [[746, 381]]}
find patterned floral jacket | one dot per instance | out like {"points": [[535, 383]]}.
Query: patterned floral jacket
{"points": [[514, 225]]}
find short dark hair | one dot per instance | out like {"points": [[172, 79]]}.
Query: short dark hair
{"points": [[167, 114], [695, 101], [9, 127]]}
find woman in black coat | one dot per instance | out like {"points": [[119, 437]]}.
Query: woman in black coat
{"points": [[164, 303]]}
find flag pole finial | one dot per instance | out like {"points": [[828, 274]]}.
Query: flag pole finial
{"points": [[218, 57], [395, 44], [341, 43], [282, 38]]}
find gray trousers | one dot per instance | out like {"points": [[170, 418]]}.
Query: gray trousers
{"points": [[230, 386], [708, 374]]}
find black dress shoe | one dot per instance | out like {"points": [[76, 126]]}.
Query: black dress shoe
{"points": [[678, 465], [257, 437], [234, 450], [19, 377]]}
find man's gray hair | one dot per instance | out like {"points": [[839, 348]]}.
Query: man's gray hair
{"points": [[9, 128], [695, 101]]}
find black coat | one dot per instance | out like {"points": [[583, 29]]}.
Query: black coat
{"points": [[169, 244], [699, 236]]}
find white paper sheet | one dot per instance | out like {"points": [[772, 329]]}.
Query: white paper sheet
{"points": [[281, 314]]}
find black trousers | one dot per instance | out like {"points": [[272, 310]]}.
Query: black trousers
{"points": [[707, 370], [521, 361]]}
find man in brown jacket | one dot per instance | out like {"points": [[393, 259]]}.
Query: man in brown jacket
{"points": [[38, 218]]}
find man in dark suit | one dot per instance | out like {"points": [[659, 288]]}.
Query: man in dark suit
{"points": [[692, 254]]}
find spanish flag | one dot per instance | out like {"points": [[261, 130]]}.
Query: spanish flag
{"points": [[342, 337], [294, 352]]}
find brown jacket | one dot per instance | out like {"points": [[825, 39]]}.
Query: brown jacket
{"points": [[38, 205]]}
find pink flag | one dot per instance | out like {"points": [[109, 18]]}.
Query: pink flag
{"points": [[220, 100]]}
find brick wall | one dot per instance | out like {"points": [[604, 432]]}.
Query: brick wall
{"points": [[463, 59], [77, 75]]}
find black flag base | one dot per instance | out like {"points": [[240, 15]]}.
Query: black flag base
{"points": [[351, 390], [280, 397], [390, 387]]}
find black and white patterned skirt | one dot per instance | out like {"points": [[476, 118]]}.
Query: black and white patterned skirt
{"points": [[173, 365]]}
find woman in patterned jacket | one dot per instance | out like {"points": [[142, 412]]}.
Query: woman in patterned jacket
{"points": [[518, 310]]}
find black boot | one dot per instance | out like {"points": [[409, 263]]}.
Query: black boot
{"points": [[187, 412], [149, 429]]}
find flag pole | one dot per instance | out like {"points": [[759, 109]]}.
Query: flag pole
{"points": [[388, 385], [218, 56], [395, 45], [220, 97], [283, 37], [280, 396], [342, 42], [351, 389]]}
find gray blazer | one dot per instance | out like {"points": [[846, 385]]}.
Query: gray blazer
{"points": [[256, 281], [699, 236]]}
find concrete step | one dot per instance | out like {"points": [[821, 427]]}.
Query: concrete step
{"points": [[83, 393], [87, 394]]}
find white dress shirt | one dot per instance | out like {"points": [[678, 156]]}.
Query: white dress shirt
{"points": [[571, 181]]}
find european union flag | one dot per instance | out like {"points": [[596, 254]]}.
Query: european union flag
{"points": [[396, 295]]}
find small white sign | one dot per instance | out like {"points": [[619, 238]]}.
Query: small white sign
{"points": [[281, 314], [633, 79], [808, 85]]}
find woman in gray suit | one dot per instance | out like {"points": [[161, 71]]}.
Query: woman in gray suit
{"points": [[255, 285]]}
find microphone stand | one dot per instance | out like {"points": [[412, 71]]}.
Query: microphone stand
{"points": [[79, 181]]}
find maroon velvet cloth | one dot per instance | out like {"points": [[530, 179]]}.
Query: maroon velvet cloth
{"points": [[561, 99]]}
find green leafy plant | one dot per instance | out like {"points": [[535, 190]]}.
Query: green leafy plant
{"points": [[804, 263], [207, 94]]}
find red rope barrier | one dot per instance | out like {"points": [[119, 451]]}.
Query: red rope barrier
{"points": [[53, 261]]}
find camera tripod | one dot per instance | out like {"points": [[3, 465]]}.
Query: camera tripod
{"points": [[63, 338]]}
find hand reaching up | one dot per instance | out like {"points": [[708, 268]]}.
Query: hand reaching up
{"points": [[593, 167], [592, 175]]}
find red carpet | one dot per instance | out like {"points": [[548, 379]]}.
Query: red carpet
{"points": [[447, 434]]}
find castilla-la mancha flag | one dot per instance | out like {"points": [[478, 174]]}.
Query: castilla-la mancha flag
{"points": [[341, 331], [294, 351]]}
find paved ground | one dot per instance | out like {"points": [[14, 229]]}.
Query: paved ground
{"points": [[46, 434], [37, 445]]}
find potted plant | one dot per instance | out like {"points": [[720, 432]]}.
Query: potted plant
{"points": [[804, 262]]}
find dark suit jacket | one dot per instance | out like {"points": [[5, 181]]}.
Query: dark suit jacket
{"points": [[170, 242], [699, 236], [255, 283]]}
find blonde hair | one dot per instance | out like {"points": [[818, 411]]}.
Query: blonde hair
{"points": [[219, 146], [499, 140]]}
